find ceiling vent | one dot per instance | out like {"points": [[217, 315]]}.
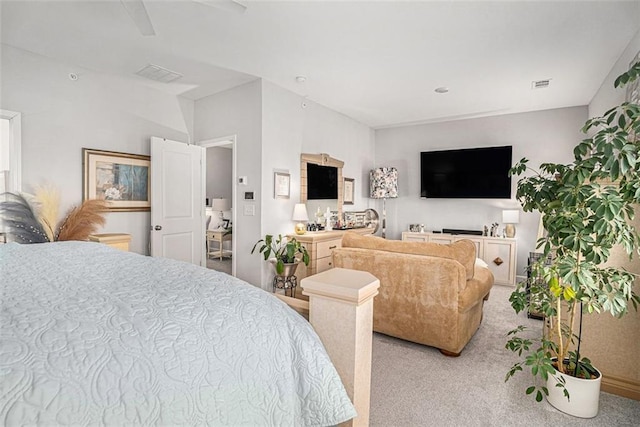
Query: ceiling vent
{"points": [[159, 74], [540, 84]]}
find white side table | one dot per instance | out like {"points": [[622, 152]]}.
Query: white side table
{"points": [[219, 236]]}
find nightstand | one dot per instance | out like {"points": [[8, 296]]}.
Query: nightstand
{"points": [[115, 240], [219, 236]]}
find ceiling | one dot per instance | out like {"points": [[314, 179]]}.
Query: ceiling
{"points": [[377, 62]]}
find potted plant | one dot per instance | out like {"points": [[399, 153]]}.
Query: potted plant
{"points": [[287, 253], [586, 208]]}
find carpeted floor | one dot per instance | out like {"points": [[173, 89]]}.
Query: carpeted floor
{"points": [[216, 264], [414, 385]]}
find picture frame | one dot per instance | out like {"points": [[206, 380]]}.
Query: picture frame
{"points": [[120, 178], [225, 223], [281, 185], [348, 186]]}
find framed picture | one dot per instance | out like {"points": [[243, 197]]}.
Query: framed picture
{"points": [[281, 185], [120, 178], [225, 223], [348, 191]]}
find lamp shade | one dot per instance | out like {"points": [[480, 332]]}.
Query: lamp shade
{"points": [[510, 216], [383, 183], [300, 212], [220, 205]]}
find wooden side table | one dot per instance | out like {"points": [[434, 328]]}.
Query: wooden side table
{"points": [[219, 236], [115, 240]]}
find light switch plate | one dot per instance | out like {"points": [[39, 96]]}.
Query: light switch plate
{"points": [[249, 210]]}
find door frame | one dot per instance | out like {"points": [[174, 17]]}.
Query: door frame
{"points": [[218, 142], [15, 149]]}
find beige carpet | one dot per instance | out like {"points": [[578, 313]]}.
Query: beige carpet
{"points": [[216, 264], [414, 385]]}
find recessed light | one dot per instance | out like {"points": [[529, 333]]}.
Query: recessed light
{"points": [[301, 79], [442, 89]]}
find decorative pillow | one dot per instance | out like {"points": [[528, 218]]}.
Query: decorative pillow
{"points": [[463, 251], [481, 263]]}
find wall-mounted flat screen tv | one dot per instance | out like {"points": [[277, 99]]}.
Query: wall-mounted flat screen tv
{"points": [[322, 182], [475, 173]]}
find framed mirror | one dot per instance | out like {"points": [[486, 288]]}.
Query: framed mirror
{"points": [[320, 180]]}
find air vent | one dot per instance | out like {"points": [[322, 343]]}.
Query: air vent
{"points": [[159, 74], [540, 84]]}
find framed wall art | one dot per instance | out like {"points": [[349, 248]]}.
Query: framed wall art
{"points": [[120, 178], [348, 191], [281, 185]]}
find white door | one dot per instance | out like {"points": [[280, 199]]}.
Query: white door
{"points": [[177, 201]]}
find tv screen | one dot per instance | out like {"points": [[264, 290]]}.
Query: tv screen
{"points": [[322, 182], [475, 173]]}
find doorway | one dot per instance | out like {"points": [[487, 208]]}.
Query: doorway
{"points": [[220, 197]]}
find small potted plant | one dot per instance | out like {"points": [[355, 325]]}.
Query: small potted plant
{"points": [[287, 253], [587, 207]]}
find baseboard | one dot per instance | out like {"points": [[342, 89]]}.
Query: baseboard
{"points": [[620, 387]]}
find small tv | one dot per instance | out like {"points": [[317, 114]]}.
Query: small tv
{"points": [[322, 182], [474, 173]]}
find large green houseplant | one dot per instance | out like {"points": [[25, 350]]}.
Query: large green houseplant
{"points": [[285, 251], [587, 207]]}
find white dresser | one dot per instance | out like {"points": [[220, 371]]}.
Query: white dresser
{"points": [[499, 253]]}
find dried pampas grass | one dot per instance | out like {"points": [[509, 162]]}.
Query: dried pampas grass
{"points": [[48, 197], [82, 220]]}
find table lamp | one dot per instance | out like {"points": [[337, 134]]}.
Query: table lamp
{"points": [[509, 218], [220, 205], [300, 215], [383, 184]]}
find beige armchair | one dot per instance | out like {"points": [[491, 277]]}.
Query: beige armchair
{"points": [[430, 293]]}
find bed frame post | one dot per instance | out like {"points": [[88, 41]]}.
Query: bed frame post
{"points": [[341, 312]]}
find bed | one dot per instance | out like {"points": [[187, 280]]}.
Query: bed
{"points": [[93, 335]]}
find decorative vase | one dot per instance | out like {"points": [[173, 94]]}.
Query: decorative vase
{"points": [[584, 395]]}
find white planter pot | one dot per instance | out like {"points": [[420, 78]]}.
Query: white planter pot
{"points": [[584, 395]]}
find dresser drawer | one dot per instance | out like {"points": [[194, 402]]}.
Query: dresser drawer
{"points": [[324, 264], [324, 249]]}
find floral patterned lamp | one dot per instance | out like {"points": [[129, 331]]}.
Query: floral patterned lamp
{"points": [[383, 184]]}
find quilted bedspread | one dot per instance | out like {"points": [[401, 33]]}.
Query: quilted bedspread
{"points": [[94, 336]]}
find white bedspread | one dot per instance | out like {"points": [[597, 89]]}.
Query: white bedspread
{"points": [[91, 335]]}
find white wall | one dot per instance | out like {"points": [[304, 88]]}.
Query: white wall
{"points": [[543, 136], [289, 130], [607, 96], [99, 111], [219, 162], [238, 112]]}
